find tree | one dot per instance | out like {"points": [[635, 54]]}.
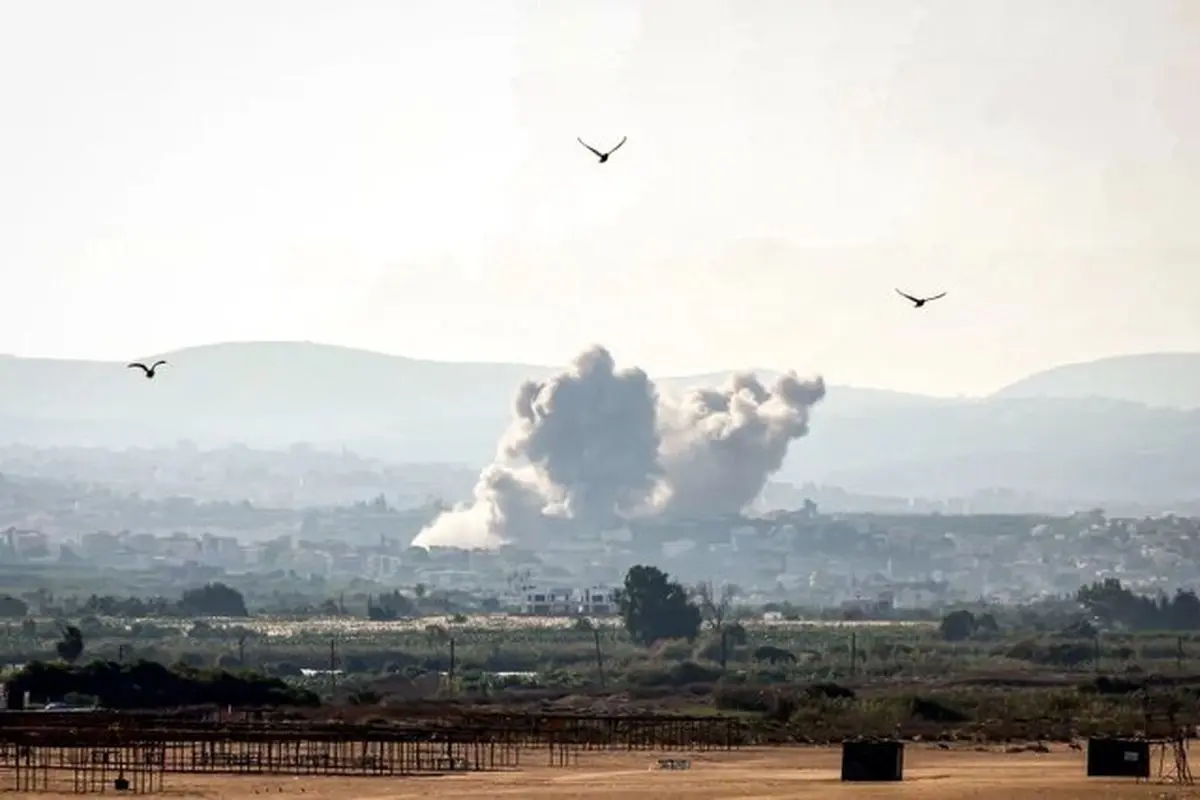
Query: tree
{"points": [[958, 625], [1115, 604], [70, 648], [1183, 613], [735, 635], [986, 625], [715, 607], [654, 607], [213, 600], [148, 685]]}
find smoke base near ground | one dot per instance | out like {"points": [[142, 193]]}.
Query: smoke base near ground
{"points": [[601, 445]]}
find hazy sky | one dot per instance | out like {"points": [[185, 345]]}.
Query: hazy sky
{"points": [[404, 176]]}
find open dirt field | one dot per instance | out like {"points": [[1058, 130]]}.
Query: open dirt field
{"points": [[756, 774]]}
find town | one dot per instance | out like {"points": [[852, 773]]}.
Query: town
{"points": [[861, 563]]}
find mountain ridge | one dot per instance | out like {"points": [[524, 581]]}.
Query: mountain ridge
{"points": [[216, 348], [877, 441], [1163, 379], [1055, 381]]}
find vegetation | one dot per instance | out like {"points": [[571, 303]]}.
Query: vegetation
{"points": [[146, 685], [1114, 604], [1056, 669], [214, 599], [71, 646], [655, 608]]}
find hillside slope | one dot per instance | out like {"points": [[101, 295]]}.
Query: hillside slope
{"points": [[262, 393], [1164, 380], [276, 393], [1089, 451], [406, 410]]}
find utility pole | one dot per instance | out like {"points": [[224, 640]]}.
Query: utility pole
{"points": [[332, 665], [599, 656]]}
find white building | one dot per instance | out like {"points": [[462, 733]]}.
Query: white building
{"points": [[548, 602], [598, 601], [561, 601]]}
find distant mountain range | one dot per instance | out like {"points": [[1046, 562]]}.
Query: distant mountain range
{"points": [[1159, 380], [1122, 428]]}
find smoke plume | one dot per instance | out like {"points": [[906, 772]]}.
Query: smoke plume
{"points": [[600, 445]]}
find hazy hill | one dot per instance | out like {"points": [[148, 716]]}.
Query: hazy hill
{"points": [[272, 393], [266, 393], [873, 441], [1090, 451], [1168, 380]]}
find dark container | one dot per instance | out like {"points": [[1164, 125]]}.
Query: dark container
{"points": [[872, 761], [1118, 758]]}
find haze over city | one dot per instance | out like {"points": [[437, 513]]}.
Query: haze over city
{"points": [[393, 389], [404, 177]]}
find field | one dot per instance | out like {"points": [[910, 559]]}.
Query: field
{"points": [[324, 627], [752, 774], [793, 682]]}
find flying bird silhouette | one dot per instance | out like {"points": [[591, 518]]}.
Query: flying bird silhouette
{"points": [[920, 301], [148, 370], [603, 156]]}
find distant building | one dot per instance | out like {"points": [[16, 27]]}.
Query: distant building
{"points": [[867, 607], [598, 601], [554, 602], [595, 600]]}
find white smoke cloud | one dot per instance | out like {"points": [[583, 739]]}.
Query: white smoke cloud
{"points": [[506, 499], [599, 444], [719, 446]]}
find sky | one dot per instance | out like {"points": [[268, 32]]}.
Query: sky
{"points": [[403, 176]]}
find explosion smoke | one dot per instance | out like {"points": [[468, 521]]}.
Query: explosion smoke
{"points": [[599, 445], [721, 445]]}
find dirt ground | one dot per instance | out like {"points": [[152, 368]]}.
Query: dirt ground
{"points": [[756, 774]]}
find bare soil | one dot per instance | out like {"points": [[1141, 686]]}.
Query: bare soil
{"points": [[754, 774]]}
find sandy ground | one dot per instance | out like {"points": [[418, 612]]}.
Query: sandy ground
{"points": [[756, 774]]}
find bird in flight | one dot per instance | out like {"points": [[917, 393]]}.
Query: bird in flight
{"points": [[920, 301], [603, 156], [148, 370]]}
